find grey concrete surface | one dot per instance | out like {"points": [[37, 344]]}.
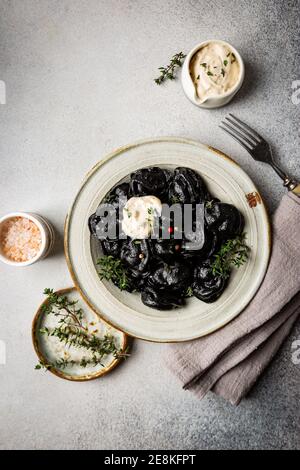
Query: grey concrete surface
{"points": [[79, 84]]}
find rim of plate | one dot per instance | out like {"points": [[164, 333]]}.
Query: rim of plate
{"points": [[140, 143]]}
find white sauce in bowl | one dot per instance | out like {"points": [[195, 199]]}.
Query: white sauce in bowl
{"points": [[214, 70]]}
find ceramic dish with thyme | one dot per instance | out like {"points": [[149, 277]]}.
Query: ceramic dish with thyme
{"points": [[72, 341]]}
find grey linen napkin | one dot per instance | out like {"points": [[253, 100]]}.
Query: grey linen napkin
{"points": [[231, 360]]}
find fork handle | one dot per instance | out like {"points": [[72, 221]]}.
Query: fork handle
{"points": [[289, 183], [296, 190], [292, 186]]}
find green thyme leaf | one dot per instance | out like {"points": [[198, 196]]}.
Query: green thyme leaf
{"points": [[129, 214], [174, 200], [42, 365], [189, 292], [233, 252], [112, 269], [169, 72]]}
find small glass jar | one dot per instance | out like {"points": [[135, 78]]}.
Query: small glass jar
{"points": [[45, 238]]}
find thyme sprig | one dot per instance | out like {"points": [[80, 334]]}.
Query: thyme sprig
{"points": [[174, 199], [63, 363], [61, 306], [72, 331], [233, 252], [70, 335], [169, 72], [112, 269], [189, 292]]}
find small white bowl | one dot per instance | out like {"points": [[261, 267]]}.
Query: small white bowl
{"points": [[47, 234], [211, 101]]}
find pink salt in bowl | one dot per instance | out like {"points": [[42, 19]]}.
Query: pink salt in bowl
{"points": [[25, 238]]}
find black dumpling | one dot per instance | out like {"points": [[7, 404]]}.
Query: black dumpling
{"points": [[210, 246], [111, 247], [100, 229], [166, 249], [187, 186], [161, 300], [207, 286], [150, 181], [135, 254], [122, 191], [224, 218], [197, 227], [113, 203], [138, 278], [175, 276], [94, 219]]}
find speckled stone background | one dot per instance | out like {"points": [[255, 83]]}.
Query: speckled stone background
{"points": [[79, 84]]}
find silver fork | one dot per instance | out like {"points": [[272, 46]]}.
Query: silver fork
{"points": [[258, 148]]}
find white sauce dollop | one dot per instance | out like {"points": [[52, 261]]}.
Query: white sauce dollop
{"points": [[139, 214], [214, 70]]}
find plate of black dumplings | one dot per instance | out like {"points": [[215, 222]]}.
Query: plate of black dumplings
{"points": [[158, 287]]}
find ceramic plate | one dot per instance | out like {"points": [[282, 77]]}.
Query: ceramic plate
{"points": [[225, 180], [49, 349]]}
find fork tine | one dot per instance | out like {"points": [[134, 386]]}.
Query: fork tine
{"points": [[237, 139], [247, 127], [244, 131], [240, 135]]}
